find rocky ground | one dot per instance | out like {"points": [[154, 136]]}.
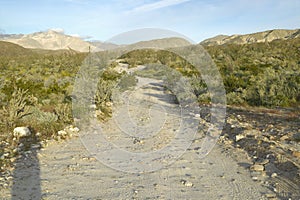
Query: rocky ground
{"points": [[271, 140], [257, 157]]}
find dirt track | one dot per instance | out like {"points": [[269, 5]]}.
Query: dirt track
{"points": [[67, 170]]}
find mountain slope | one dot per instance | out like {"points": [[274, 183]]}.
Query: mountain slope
{"points": [[160, 43], [51, 40], [265, 36], [10, 49]]}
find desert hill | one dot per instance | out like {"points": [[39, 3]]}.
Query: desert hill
{"points": [[265, 36], [50, 40]]}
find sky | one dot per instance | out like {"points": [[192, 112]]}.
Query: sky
{"points": [[103, 19]]}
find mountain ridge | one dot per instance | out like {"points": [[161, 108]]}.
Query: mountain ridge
{"points": [[55, 40], [258, 37], [50, 40]]}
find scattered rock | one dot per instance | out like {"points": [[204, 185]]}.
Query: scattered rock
{"points": [[187, 183], [270, 195], [263, 162], [257, 167], [22, 132], [285, 137], [296, 154], [62, 133], [239, 137], [138, 141], [273, 175]]}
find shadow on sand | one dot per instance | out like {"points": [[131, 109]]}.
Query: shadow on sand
{"points": [[26, 174]]}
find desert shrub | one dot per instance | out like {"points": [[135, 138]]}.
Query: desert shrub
{"points": [[126, 82], [261, 74], [16, 109], [46, 123]]}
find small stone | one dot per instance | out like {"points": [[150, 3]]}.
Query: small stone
{"points": [[138, 141], [35, 146], [239, 137], [263, 162], [255, 178], [22, 132], [296, 154], [285, 137], [257, 167], [270, 195], [255, 173], [273, 175], [187, 183], [263, 173], [239, 117], [62, 133], [5, 155]]}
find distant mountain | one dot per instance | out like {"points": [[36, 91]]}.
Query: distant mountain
{"points": [[159, 43], [51, 40], [265, 36], [102, 46]]}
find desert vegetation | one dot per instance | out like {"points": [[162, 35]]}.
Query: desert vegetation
{"points": [[36, 85], [259, 74]]}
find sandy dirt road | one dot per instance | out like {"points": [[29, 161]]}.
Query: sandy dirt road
{"points": [[69, 170]]}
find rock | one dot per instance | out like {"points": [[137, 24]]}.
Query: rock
{"points": [[285, 137], [74, 129], [5, 155], [296, 154], [270, 195], [257, 167], [187, 183], [93, 106], [62, 133], [273, 175], [263, 162], [21, 145], [239, 117], [239, 137], [138, 141], [22, 132]]}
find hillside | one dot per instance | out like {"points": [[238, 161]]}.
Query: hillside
{"points": [[50, 40], [265, 36], [258, 74], [160, 43], [9, 49]]}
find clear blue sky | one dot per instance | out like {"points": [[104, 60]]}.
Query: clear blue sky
{"points": [[102, 19]]}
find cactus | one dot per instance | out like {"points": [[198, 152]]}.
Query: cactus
{"points": [[16, 109]]}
